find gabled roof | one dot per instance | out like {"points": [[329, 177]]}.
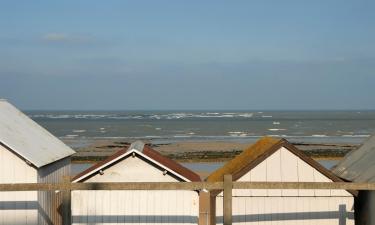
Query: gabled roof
{"points": [[27, 139], [358, 165], [248, 157], [258, 152], [145, 152]]}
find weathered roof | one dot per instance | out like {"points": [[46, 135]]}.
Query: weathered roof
{"points": [[143, 150], [358, 165], [27, 139], [258, 152], [242, 160]]}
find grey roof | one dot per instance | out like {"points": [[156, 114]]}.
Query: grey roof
{"points": [[28, 139], [359, 165], [137, 145]]}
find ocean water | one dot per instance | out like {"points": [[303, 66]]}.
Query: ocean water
{"points": [[242, 126]]}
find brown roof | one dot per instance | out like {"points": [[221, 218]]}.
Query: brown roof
{"points": [[258, 152], [149, 152], [100, 164]]}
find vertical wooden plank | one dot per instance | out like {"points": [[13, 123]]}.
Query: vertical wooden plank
{"points": [[305, 174], [218, 216], [213, 210], [105, 201], [2, 175], [289, 170], [158, 210], [99, 204], [32, 197], [243, 192], [121, 208], [84, 207], [307, 202], [113, 207], [267, 211], [274, 171], [66, 202], [150, 207], [127, 207], [302, 204], [76, 206], [227, 203], [350, 208], [321, 178], [143, 206], [259, 173], [261, 210]]}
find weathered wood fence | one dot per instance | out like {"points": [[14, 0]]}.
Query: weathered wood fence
{"points": [[227, 185]]}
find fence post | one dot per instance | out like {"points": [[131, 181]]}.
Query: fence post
{"points": [[227, 203], [66, 202]]}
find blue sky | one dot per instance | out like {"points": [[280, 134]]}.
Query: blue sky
{"points": [[188, 54]]}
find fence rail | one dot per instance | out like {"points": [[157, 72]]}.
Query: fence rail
{"points": [[183, 186], [227, 185]]}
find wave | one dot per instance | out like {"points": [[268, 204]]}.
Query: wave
{"points": [[356, 135], [145, 116], [318, 135], [79, 131], [276, 129], [243, 137]]}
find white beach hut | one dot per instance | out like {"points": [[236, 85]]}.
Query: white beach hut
{"points": [[29, 154], [359, 166], [138, 163], [274, 160]]}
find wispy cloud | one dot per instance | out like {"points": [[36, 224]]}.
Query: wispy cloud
{"points": [[66, 38]]}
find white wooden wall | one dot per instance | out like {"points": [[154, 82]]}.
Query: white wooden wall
{"points": [[17, 208], [50, 201], [288, 206], [134, 207]]}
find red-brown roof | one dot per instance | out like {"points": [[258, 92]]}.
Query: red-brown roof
{"points": [[151, 153]]}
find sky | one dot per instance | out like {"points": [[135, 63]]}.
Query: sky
{"points": [[188, 55]]}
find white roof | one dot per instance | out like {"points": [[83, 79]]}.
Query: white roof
{"points": [[28, 139]]}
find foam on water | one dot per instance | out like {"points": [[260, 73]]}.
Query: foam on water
{"points": [[79, 131], [335, 126]]}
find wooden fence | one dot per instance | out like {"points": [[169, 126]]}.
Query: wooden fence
{"points": [[227, 185]]}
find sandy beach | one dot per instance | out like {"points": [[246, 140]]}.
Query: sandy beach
{"points": [[202, 151]]}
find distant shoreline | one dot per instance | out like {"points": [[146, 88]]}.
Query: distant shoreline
{"points": [[207, 151]]}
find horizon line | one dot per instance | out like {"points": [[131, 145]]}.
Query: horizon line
{"points": [[251, 110]]}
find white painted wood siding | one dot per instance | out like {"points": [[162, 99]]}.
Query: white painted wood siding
{"points": [[286, 167], [50, 201], [134, 207], [288, 206], [17, 208], [289, 210]]}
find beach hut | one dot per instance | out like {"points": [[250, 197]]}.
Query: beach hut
{"points": [[138, 163], [359, 166], [29, 154], [271, 159]]}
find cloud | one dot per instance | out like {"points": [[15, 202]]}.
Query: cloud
{"points": [[65, 38]]}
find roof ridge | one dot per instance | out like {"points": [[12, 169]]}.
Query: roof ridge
{"points": [[146, 151], [137, 145]]}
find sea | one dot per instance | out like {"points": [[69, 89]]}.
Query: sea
{"points": [[82, 128], [242, 126]]}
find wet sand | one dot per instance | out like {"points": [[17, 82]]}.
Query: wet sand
{"points": [[202, 151]]}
